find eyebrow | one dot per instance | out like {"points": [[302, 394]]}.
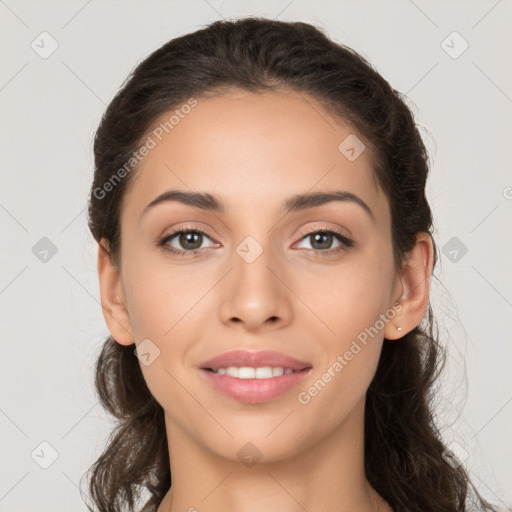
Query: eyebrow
{"points": [[298, 202]]}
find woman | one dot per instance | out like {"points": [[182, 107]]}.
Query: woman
{"points": [[265, 255]]}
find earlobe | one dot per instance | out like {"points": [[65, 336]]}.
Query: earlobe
{"points": [[113, 301], [415, 278]]}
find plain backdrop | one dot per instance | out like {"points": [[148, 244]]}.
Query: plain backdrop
{"points": [[63, 61]]}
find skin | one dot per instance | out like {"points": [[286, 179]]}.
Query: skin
{"points": [[254, 151]]}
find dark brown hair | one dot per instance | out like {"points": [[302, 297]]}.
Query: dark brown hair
{"points": [[404, 455]]}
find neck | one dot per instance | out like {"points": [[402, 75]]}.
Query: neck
{"points": [[328, 476]]}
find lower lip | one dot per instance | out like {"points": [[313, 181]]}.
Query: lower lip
{"points": [[254, 391]]}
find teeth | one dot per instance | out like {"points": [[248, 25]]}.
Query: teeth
{"points": [[247, 372], [264, 373], [232, 371]]}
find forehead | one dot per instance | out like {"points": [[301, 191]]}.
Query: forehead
{"points": [[252, 149]]}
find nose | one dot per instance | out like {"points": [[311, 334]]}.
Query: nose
{"points": [[254, 296]]}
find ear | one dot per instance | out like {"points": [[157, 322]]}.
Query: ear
{"points": [[415, 279], [113, 301]]}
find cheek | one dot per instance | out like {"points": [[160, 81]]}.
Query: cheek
{"points": [[350, 304], [165, 308], [336, 393], [348, 361], [348, 300], [157, 296]]}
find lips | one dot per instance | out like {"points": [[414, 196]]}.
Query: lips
{"points": [[254, 377], [243, 358]]}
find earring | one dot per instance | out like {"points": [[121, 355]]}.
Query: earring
{"points": [[398, 329]]}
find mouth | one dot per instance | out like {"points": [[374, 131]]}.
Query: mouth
{"points": [[254, 377], [249, 385], [249, 372]]}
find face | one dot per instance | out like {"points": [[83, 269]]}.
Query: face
{"points": [[315, 282]]}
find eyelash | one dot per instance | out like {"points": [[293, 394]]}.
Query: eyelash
{"points": [[346, 243]]}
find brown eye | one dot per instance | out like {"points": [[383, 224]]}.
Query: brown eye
{"points": [[321, 241], [184, 241], [190, 240]]}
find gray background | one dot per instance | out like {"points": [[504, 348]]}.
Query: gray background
{"points": [[52, 324]]}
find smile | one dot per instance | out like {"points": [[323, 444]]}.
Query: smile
{"points": [[248, 372], [254, 385]]}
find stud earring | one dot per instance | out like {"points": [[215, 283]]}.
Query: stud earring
{"points": [[398, 329]]}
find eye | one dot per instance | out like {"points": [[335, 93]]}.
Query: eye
{"points": [[189, 240], [321, 241]]}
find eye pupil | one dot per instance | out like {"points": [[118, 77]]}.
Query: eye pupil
{"points": [[317, 237], [192, 238]]}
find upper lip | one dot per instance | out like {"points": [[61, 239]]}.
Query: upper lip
{"points": [[255, 360]]}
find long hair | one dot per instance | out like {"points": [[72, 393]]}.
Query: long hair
{"points": [[405, 458]]}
